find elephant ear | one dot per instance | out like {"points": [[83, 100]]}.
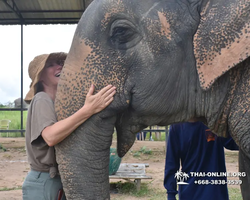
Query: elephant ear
{"points": [[223, 38]]}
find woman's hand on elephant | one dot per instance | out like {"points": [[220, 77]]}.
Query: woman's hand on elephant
{"points": [[93, 104], [100, 100]]}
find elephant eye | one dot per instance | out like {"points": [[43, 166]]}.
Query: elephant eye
{"points": [[123, 34], [119, 31]]}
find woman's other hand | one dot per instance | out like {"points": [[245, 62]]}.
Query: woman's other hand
{"points": [[97, 102]]}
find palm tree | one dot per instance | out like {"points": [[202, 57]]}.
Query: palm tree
{"points": [[181, 176], [185, 176], [178, 174]]}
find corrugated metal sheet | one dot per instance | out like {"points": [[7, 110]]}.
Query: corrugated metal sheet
{"points": [[41, 11]]}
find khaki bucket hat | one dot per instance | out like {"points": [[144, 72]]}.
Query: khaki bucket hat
{"points": [[37, 65]]}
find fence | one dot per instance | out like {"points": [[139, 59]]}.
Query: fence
{"points": [[156, 130], [22, 130]]}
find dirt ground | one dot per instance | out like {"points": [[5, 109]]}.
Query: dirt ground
{"points": [[14, 166]]}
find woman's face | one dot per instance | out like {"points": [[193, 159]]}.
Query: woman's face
{"points": [[50, 74]]}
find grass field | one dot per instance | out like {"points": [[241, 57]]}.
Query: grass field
{"points": [[15, 118], [152, 194], [15, 124]]}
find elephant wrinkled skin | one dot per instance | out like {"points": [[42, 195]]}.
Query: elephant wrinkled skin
{"points": [[170, 60]]}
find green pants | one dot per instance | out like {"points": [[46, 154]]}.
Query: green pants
{"points": [[39, 186]]}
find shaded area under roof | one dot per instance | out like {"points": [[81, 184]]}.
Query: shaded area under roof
{"points": [[16, 12], [27, 12]]}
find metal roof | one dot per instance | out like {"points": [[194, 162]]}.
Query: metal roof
{"points": [[15, 12]]}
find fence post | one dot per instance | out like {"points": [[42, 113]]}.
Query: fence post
{"points": [[166, 137]]}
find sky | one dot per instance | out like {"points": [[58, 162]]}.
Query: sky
{"points": [[37, 39]]}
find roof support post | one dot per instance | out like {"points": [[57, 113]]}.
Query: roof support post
{"points": [[22, 80]]}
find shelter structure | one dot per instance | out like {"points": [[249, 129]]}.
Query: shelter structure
{"points": [[38, 12], [24, 12]]}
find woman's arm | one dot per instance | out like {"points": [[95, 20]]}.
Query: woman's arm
{"points": [[57, 132]]}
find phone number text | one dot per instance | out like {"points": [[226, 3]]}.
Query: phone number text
{"points": [[218, 182]]}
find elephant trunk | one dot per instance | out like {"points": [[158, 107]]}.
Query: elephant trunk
{"points": [[83, 157], [83, 160]]}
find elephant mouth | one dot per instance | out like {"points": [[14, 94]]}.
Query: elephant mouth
{"points": [[126, 127]]}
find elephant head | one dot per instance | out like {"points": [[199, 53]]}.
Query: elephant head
{"points": [[169, 59]]}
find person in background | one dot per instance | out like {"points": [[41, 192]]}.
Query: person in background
{"points": [[43, 131], [197, 149], [141, 135]]}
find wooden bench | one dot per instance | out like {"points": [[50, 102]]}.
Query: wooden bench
{"points": [[134, 171]]}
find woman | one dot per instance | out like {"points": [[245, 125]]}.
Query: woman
{"points": [[42, 129]]}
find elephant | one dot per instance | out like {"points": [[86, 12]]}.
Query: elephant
{"points": [[18, 103], [170, 60]]}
